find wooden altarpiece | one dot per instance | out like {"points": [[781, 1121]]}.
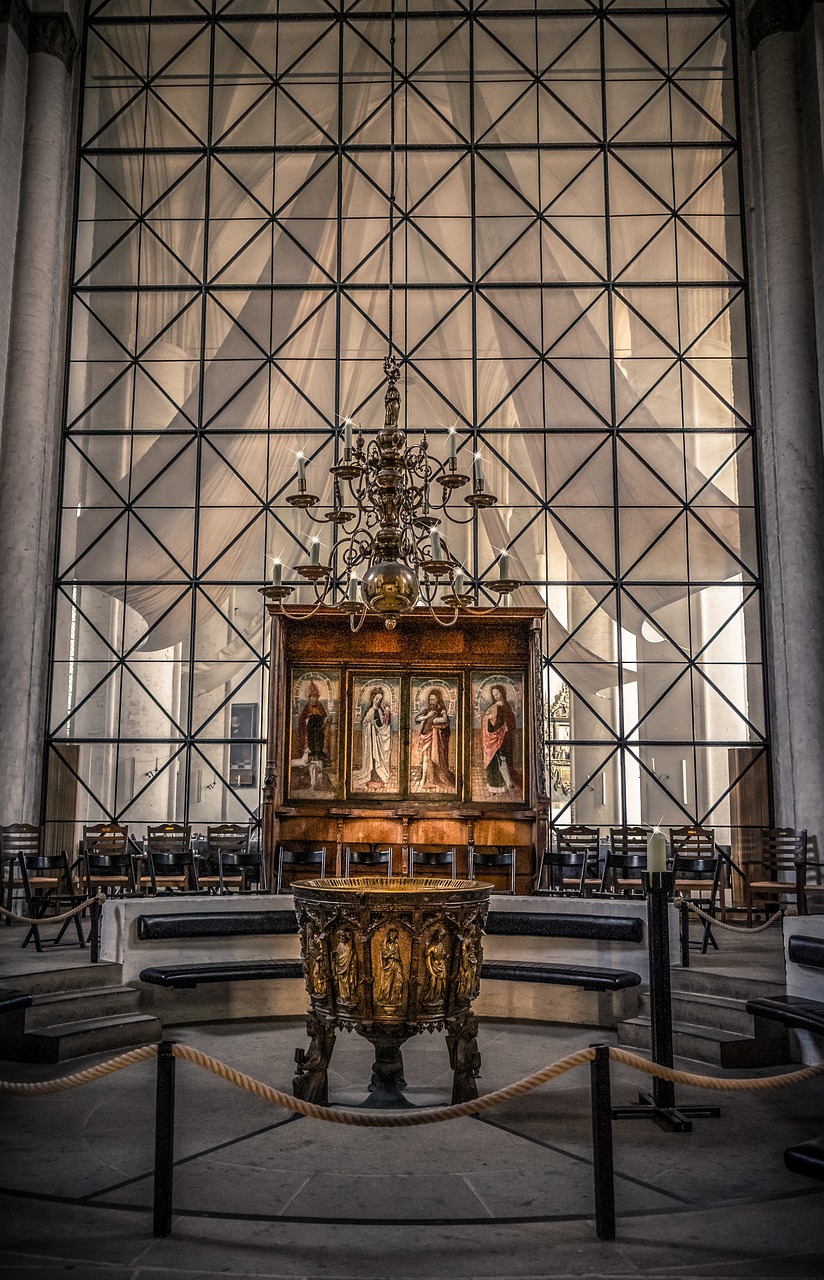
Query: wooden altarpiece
{"points": [[424, 735]]}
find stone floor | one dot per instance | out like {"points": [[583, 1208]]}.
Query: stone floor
{"points": [[258, 1193]]}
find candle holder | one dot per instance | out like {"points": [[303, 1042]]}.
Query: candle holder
{"points": [[346, 470], [462, 601], [503, 586], [479, 499], [452, 479], [339, 516], [302, 499], [660, 1104], [438, 568], [313, 572], [275, 593]]}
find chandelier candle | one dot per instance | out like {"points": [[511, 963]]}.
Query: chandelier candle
{"points": [[504, 567], [453, 450], [435, 545], [347, 439], [278, 574], [352, 595], [314, 557], [478, 471], [301, 468]]}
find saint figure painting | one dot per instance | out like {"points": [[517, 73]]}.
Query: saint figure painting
{"points": [[313, 754], [497, 745], [434, 735], [374, 755]]}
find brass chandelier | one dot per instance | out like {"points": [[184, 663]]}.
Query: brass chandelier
{"points": [[393, 557]]}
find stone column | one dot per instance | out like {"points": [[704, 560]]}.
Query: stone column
{"points": [[14, 60], [792, 465], [31, 410]]}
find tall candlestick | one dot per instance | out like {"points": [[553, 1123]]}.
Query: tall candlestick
{"points": [[314, 557], [656, 852], [503, 572], [278, 574], [478, 471], [435, 548], [301, 468]]}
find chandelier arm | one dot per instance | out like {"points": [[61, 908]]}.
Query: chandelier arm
{"points": [[355, 627]]}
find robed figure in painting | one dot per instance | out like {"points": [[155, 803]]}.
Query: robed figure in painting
{"points": [[498, 729], [433, 744], [376, 741], [312, 734]]}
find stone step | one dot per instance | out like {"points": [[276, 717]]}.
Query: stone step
{"points": [[697, 1008], [709, 1044], [735, 986], [80, 978], [66, 1040], [50, 1008]]}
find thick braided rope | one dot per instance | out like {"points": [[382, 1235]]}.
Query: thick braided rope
{"points": [[388, 1119], [722, 924], [713, 1082], [16, 918], [39, 1087], [422, 1115]]}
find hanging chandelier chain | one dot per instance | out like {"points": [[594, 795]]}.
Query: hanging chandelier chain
{"points": [[389, 363]]}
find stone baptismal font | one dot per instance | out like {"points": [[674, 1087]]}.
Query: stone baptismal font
{"points": [[390, 959]]}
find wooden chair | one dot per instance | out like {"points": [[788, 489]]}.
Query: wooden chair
{"points": [[626, 860], [108, 865], [487, 862], [47, 882], [433, 860], [780, 870], [228, 860], [367, 860], [698, 868], [573, 865], [169, 854], [303, 860], [14, 838]]}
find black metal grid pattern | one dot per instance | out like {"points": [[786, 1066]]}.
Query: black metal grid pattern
{"points": [[570, 291]]}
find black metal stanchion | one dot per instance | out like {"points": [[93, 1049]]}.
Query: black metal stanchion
{"points": [[660, 1104], [602, 1170], [164, 1140], [94, 931], [684, 915]]}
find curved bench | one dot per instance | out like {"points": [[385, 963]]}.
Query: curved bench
{"points": [[192, 975], [807, 1159], [587, 977]]}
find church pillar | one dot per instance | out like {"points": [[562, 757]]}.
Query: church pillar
{"points": [[792, 464], [30, 434]]}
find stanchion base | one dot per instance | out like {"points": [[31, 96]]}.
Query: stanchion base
{"points": [[673, 1119]]}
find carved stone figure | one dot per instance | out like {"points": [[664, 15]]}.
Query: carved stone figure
{"points": [[311, 1080], [389, 982], [435, 959], [464, 1057], [345, 962]]}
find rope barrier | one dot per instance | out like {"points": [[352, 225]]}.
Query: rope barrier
{"points": [[28, 1088], [722, 924], [16, 918], [421, 1115]]}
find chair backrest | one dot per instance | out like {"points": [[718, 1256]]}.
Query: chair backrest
{"points": [[105, 838], [782, 847], [627, 849], [228, 838], [435, 854], [694, 852], [169, 842], [20, 837], [574, 845]]}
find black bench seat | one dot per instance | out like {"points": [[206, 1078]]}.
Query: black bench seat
{"points": [[791, 1011], [11, 1000], [215, 924], [807, 1158], [191, 975], [566, 924], [587, 977]]}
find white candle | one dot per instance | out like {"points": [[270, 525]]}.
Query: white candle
{"points": [[352, 595], [685, 794], [478, 471], [347, 436], [314, 557], [453, 446], [435, 548], [504, 567], [458, 583], [603, 789], [652, 763], [278, 574], [657, 852], [301, 468]]}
